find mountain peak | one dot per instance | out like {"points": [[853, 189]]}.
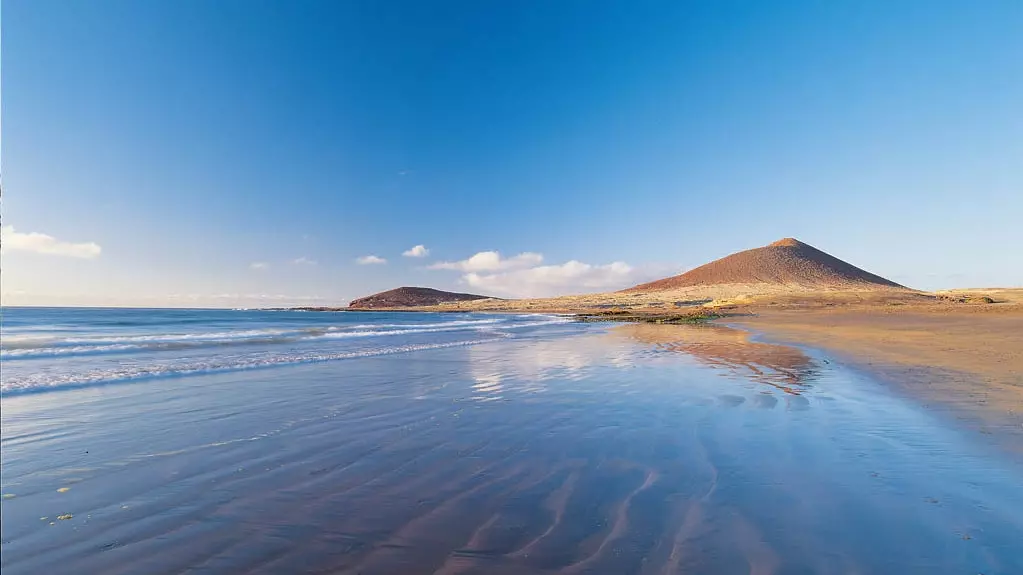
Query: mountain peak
{"points": [[786, 243], [787, 263]]}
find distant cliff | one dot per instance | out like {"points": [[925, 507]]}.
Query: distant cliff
{"points": [[410, 297]]}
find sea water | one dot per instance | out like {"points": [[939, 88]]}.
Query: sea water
{"points": [[55, 348]]}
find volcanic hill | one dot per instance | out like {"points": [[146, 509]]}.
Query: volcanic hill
{"points": [[411, 297], [786, 263]]}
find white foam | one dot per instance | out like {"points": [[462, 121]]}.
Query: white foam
{"points": [[10, 354], [78, 346], [467, 322], [41, 382]]}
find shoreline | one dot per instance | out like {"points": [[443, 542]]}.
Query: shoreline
{"points": [[518, 455], [967, 367], [960, 359], [963, 363]]}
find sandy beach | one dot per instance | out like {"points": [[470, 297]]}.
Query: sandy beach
{"points": [[958, 351], [558, 448], [967, 362]]}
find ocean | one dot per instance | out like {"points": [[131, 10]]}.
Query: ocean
{"points": [[57, 348], [239, 441]]}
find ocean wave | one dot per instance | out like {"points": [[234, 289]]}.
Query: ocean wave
{"points": [[35, 342], [13, 354], [466, 322], [552, 321], [35, 348], [37, 382]]}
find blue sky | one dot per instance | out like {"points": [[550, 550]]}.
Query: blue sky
{"points": [[153, 152]]}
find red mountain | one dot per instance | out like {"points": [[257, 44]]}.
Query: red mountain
{"points": [[786, 262]]}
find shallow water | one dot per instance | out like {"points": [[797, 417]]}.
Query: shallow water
{"points": [[45, 349], [559, 448]]}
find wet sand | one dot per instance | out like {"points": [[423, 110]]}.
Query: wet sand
{"points": [[966, 362], [630, 449]]}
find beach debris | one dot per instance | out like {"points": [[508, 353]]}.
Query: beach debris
{"points": [[63, 490], [9, 496], [65, 517]]}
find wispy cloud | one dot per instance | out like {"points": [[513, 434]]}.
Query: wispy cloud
{"points": [[370, 260], [259, 266], [304, 261], [491, 261], [11, 240], [419, 251]]}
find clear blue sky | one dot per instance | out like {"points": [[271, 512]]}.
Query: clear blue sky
{"points": [[191, 139]]}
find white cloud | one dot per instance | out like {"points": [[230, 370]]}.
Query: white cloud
{"points": [[523, 276], [491, 262], [370, 260], [259, 265], [419, 251], [43, 244], [553, 280], [304, 261]]}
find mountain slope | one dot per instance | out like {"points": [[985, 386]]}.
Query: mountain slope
{"points": [[786, 262], [411, 297]]}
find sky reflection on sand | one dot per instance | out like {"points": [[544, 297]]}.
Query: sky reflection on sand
{"points": [[630, 449]]}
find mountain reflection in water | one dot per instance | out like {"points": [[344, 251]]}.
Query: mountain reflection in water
{"points": [[782, 367]]}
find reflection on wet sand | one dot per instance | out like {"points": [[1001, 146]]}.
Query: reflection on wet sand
{"points": [[528, 369], [780, 366], [604, 452]]}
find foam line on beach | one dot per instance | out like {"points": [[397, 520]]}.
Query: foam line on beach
{"points": [[69, 347], [37, 383]]}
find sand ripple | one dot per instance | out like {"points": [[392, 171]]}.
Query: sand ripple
{"points": [[624, 455]]}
